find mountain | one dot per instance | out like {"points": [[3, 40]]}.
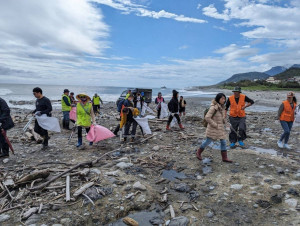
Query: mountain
{"points": [[295, 66], [289, 73], [275, 70], [246, 76]]}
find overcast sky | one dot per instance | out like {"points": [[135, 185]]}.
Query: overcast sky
{"points": [[173, 43]]}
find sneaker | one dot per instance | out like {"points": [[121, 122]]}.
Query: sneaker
{"points": [[286, 146], [232, 145], [241, 143], [279, 143]]}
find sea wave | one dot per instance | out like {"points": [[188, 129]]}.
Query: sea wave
{"points": [[4, 92]]}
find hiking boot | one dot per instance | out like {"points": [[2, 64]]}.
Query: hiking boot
{"points": [[224, 157], [168, 127], [3, 155], [287, 146], [79, 142], [44, 147], [280, 144], [232, 145], [181, 126], [241, 143], [198, 153]]}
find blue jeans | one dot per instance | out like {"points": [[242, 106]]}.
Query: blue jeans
{"points": [[209, 140], [66, 115], [287, 127]]}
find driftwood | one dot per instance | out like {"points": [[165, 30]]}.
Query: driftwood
{"points": [[29, 212], [29, 135], [148, 138], [130, 221], [36, 136], [68, 197], [82, 189], [90, 163], [172, 212], [33, 176]]}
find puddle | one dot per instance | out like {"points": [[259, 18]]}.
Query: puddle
{"points": [[173, 175], [143, 218], [264, 151]]}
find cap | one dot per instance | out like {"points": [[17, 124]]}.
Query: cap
{"points": [[66, 91], [290, 94], [237, 89]]}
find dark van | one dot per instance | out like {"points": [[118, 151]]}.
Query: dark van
{"points": [[134, 91]]}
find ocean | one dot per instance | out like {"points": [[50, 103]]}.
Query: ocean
{"points": [[23, 92]]}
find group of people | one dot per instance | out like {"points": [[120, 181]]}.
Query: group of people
{"points": [[132, 105]]}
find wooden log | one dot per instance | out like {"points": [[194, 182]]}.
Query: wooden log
{"points": [[82, 189], [68, 196], [33, 176], [130, 221], [172, 212], [36, 136], [29, 212], [29, 136]]}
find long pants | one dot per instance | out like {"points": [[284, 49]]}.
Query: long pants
{"points": [[80, 131], [171, 118], [209, 140], [287, 127], [96, 108], [42, 132], [239, 125], [4, 148], [66, 119], [158, 112], [133, 130]]}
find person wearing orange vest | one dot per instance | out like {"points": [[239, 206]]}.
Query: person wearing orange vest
{"points": [[237, 116], [286, 115]]}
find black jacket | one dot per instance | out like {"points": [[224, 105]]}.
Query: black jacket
{"points": [[5, 119], [43, 105], [141, 100], [173, 105]]}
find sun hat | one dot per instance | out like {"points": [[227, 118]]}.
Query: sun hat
{"points": [[290, 94], [83, 94], [237, 89]]}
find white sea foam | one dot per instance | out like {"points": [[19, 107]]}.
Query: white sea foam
{"points": [[4, 91]]}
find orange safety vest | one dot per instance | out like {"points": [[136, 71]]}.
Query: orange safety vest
{"points": [[288, 113], [236, 109]]}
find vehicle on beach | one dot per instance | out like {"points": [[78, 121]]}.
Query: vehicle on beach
{"points": [[134, 91]]}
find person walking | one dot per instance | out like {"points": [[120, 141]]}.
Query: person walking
{"points": [[96, 103], [173, 106], [66, 108], [6, 123], [85, 115], [42, 106], [122, 104], [215, 127], [237, 103], [128, 116], [182, 104], [138, 102], [286, 115], [72, 98], [158, 100]]}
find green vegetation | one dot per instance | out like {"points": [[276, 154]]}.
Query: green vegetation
{"points": [[289, 73], [262, 85]]}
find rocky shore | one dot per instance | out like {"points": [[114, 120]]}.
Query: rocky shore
{"points": [[157, 180]]}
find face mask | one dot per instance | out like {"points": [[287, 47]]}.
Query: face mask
{"points": [[83, 99]]}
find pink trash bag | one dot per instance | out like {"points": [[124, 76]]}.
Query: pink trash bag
{"points": [[73, 115], [98, 133]]}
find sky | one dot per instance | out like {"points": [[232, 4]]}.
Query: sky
{"points": [[144, 43]]}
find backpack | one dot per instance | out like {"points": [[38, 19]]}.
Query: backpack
{"points": [[120, 104], [205, 123]]}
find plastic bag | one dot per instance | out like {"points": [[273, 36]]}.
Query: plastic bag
{"points": [[297, 117], [73, 115], [48, 123], [98, 133], [164, 111], [143, 122]]}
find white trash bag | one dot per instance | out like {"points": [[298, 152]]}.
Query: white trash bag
{"points": [[143, 122], [48, 123], [164, 111], [297, 117]]}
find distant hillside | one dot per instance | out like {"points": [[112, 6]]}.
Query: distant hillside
{"points": [[275, 70], [289, 73], [295, 66], [246, 76]]}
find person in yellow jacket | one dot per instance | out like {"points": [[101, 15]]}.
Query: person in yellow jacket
{"points": [[85, 115], [286, 115], [96, 103], [128, 119], [237, 117], [66, 108]]}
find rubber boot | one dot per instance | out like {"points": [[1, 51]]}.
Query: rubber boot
{"points": [[64, 123], [79, 142], [168, 127], [5, 153], [181, 126], [45, 143], [224, 157], [67, 125], [198, 153]]}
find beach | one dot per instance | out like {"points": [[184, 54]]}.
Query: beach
{"points": [[149, 179]]}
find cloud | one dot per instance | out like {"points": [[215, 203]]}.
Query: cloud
{"points": [[211, 11], [183, 47], [128, 7], [233, 51], [199, 6]]}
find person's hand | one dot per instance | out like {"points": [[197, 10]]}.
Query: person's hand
{"points": [[38, 113], [243, 108]]}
